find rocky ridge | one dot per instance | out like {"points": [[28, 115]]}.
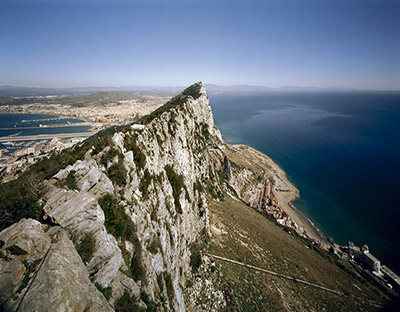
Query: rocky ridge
{"points": [[119, 223]]}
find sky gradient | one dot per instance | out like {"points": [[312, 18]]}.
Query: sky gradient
{"points": [[327, 43]]}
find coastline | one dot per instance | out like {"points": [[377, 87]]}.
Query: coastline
{"points": [[27, 137], [284, 190]]}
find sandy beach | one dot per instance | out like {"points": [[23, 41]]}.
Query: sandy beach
{"points": [[283, 189]]}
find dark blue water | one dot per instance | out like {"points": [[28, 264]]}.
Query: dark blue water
{"points": [[20, 121], [341, 150], [18, 124]]}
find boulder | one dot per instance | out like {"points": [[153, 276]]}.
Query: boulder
{"points": [[42, 271], [62, 281]]}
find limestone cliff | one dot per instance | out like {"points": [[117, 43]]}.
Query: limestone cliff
{"points": [[132, 206], [117, 223]]}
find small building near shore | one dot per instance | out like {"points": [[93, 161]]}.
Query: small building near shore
{"points": [[390, 275], [372, 262]]}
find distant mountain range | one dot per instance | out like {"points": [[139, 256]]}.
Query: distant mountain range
{"points": [[34, 91]]}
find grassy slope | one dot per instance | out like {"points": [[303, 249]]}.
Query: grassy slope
{"points": [[242, 234]]}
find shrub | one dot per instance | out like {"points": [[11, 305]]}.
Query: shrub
{"points": [[195, 257], [117, 172], [106, 291], [160, 283], [108, 203], [86, 248], [116, 221], [151, 307], [155, 245], [197, 186], [138, 156], [204, 131], [19, 199], [127, 304], [120, 228], [70, 181], [108, 156], [136, 268], [145, 183], [169, 285], [177, 184]]}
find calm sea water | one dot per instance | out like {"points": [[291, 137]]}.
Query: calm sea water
{"points": [[18, 124], [341, 149], [20, 121]]}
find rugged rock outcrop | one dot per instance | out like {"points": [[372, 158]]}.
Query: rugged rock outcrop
{"points": [[132, 207], [42, 271]]}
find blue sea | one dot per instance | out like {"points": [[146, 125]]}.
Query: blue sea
{"points": [[340, 149], [19, 124]]}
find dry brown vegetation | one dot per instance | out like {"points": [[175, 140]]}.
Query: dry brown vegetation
{"points": [[240, 233]]}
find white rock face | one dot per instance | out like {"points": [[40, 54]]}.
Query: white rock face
{"points": [[56, 278], [184, 139], [168, 164], [80, 214]]}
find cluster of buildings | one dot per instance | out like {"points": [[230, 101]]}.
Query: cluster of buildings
{"points": [[360, 257], [267, 202], [119, 112], [13, 164], [367, 260], [98, 114]]}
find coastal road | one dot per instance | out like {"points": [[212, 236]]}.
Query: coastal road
{"points": [[46, 136]]}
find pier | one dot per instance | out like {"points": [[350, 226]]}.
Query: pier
{"points": [[45, 119]]}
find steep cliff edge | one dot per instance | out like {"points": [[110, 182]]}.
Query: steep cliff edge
{"points": [[133, 204], [119, 222]]}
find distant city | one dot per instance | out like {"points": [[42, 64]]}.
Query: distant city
{"points": [[98, 110]]}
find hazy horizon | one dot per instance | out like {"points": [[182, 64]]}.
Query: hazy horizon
{"points": [[209, 86], [306, 44]]}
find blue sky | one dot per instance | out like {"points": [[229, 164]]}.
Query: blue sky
{"points": [[322, 43]]}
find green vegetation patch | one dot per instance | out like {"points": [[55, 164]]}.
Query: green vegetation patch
{"points": [[155, 245], [106, 291], [70, 180], [145, 183], [151, 306], [136, 269], [116, 221], [109, 156], [130, 144], [117, 172], [195, 257], [20, 198], [120, 225], [86, 248], [176, 181], [127, 304], [169, 285], [204, 131]]}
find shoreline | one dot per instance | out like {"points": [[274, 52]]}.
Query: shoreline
{"points": [[17, 137], [286, 193], [38, 137]]}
